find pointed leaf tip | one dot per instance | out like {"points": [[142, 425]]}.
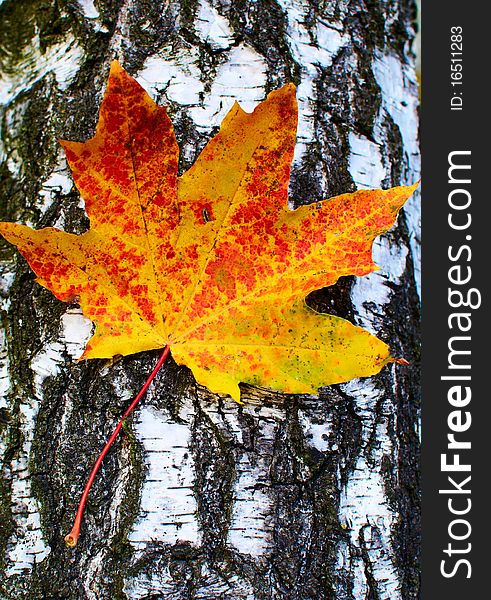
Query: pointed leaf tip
{"points": [[115, 67]]}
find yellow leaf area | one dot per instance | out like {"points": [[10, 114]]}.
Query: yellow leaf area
{"points": [[213, 263]]}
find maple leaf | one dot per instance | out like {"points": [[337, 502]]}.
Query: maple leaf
{"points": [[212, 264]]}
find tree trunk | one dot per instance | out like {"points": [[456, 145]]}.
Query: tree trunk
{"points": [[284, 496]]}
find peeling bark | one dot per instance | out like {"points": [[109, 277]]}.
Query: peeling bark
{"points": [[284, 496]]}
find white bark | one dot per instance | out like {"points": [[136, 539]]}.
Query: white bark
{"points": [[235, 500]]}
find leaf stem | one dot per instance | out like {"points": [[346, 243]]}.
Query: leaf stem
{"points": [[72, 538]]}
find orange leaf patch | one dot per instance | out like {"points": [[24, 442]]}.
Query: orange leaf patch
{"points": [[213, 263]]}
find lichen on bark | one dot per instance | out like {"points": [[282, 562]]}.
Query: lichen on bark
{"points": [[290, 467]]}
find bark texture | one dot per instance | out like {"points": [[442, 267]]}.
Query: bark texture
{"points": [[294, 497]]}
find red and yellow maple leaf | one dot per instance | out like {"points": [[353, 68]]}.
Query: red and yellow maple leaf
{"points": [[212, 264]]}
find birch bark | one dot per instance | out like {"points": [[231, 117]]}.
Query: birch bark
{"points": [[286, 496]]}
